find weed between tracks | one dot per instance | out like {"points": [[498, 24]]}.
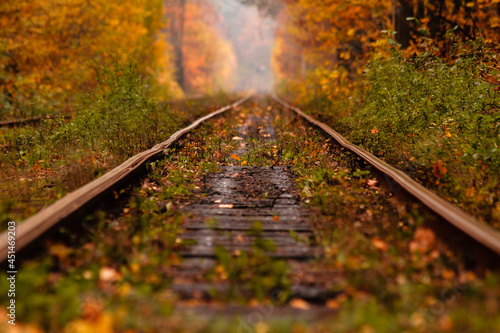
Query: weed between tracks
{"points": [[436, 121], [119, 120], [266, 279], [390, 272]]}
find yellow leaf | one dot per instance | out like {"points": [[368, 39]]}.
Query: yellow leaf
{"points": [[134, 267], [226, 206], [235, 157], [104, 324], [299, 303]]}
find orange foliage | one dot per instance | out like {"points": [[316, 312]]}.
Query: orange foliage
{"points": [[337, 32], [49, 47], [205, 61], [322, 46]]}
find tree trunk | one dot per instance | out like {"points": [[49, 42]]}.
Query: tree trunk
{"points": [[179, 56], [402, 26]]}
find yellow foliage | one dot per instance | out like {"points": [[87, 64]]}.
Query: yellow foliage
{"points": [[323, 46], [49, 47], [208, 60], [102, 324]]}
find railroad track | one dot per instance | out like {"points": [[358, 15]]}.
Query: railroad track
{"points": [[80, 199], [245, 210], [248, 209], [465, 222]]}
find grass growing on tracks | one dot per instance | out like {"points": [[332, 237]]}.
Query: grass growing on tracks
{"points": [[437, 121], [390, 272], [119, 120], [266, 278], [117, 271]]}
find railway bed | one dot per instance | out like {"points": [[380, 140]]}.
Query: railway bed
{"points": [[242, 221]]}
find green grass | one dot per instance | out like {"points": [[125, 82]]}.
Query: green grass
{"points": [[121, 266], [438, 121], [116, 121]]}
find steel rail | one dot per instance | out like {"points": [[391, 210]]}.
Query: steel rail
{"points": [[474, 228], [81, 198]]}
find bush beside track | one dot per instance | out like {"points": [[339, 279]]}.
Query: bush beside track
{"points": [[437, 121]]}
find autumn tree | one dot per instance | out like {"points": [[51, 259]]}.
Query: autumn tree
{"points": [[465, 18], [204, 60], [49, 47], [265, 7], [327, 44]]}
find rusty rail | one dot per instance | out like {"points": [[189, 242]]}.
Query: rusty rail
{"points": [[90, 193], [460, 219]]}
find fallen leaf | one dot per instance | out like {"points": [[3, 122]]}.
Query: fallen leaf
{"points": [[254, 302], [237, 138], [470, 192], [445, 323], [108, 274], [221, 271], [226, 206], [60, 251], [135, 267], [366, 329], [379, 244], [439, 169], [91, 309], [299, 303], [261, 327], [423, 240], [103, 324], [333, 304], [448, 274], [372, 183], [18, 327], [466, 277], [235, 157], [276, 218], [491, 79]]}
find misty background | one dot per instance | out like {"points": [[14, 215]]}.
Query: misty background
{"points": [[251, 34]]}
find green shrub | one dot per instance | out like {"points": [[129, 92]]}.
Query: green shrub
{"points": [[438, 120]]}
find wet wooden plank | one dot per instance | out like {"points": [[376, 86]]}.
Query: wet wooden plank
{"points": [[206, 291], [289, 252], [247, 226], [83, 198]]}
